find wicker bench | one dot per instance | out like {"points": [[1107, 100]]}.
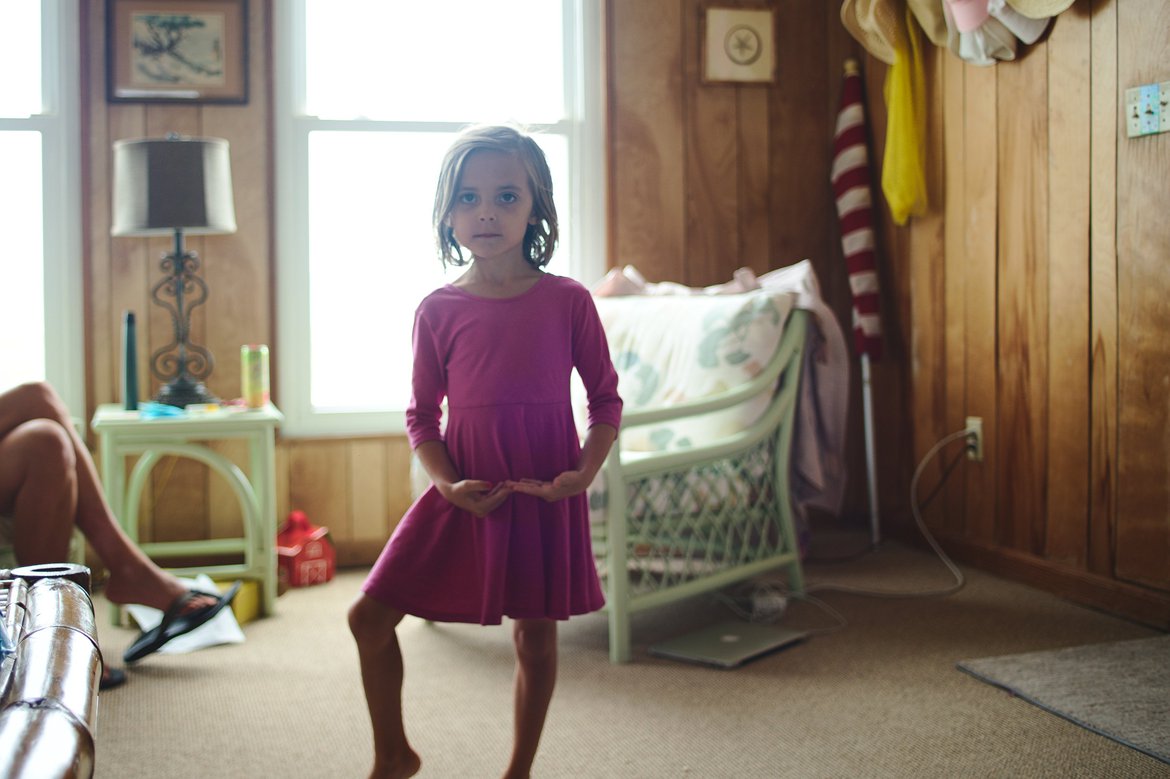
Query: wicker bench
{"points": [[695, 493]]}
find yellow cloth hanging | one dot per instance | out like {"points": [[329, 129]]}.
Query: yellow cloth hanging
{"points": [[904, 161]]}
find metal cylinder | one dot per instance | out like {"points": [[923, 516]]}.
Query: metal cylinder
{"points": [[71, 571], [57, 656], [50, 702], [254, 375], [42, 739], [58, 664], [14, 606], [52, 602]]}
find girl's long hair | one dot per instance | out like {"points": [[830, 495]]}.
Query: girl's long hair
{"points": [[540, 239]]}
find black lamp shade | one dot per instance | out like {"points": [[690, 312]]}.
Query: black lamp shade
{"points": [[167, 183]]}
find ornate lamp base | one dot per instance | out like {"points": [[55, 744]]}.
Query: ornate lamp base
{"points": [[181, 364], [182, 392]]}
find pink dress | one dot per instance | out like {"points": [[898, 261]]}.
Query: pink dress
{"points": [[504, 367]]}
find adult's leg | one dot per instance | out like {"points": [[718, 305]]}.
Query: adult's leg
{"points": [[374, 629], [38, 488], [536, 676], [134, 578]]}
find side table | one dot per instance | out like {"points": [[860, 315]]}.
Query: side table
{"points": [[124, 434]]}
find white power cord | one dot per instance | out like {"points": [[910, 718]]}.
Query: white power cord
{"points": [[768, 601], [960, 579]]}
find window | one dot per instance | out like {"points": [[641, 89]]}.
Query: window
{"points": [[369, 97], [40, 269]]}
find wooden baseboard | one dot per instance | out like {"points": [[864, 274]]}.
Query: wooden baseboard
{"points": [[353, 554], [1129, 601]]}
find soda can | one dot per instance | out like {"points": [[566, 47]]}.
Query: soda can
{"points": [[254, 374]]}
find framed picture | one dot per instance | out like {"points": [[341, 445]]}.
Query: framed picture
{"points": [[177, 51], [739, 45]]}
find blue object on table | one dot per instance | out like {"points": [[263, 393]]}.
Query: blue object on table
{"points": [[151, 410]]}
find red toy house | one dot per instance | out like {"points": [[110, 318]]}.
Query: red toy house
{"points": [[304, 553]]}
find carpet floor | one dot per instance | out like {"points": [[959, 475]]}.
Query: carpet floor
{"points": [[880, 697]]}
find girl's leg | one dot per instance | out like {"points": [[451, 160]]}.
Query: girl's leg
{"points": [[536, 675], [373, 626]]}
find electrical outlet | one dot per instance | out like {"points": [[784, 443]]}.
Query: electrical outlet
{"points": [[975, 439]]}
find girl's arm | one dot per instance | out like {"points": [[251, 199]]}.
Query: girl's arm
{"points": [[598, 442], [591, 359], [428, 388], [474, 495]]}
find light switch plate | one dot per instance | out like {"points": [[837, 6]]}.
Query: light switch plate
{"points": [[1146, 112]]}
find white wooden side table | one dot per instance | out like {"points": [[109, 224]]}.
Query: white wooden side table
{"points": [[125, 434]]}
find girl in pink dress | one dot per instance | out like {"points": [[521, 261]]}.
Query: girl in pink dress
{"points": [[503, 530]]}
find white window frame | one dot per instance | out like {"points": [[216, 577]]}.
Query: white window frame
{"points": [[585, 128], [59, 127]]}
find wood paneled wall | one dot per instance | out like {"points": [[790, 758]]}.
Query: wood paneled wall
{"points": [[1030, 294], [1037, 301]]}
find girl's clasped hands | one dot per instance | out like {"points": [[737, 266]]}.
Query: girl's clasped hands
{"points": [[482, 497]]}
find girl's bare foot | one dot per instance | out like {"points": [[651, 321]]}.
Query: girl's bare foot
{"points": [[407, 765]]}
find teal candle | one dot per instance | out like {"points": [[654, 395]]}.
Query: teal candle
{"points": [[129, 362]]}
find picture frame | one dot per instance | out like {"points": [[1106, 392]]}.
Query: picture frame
{"points": [[177, 51], [739, 46]]}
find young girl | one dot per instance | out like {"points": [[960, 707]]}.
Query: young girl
{"points": [[503, 530]]}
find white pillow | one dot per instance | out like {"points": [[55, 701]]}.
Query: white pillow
{"points": [[676, 348]]}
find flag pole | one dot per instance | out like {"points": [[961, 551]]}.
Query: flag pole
{"points": [[851, 188], [875, 533]]}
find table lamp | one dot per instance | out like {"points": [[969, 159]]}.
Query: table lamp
{"points": [[175, 186]]}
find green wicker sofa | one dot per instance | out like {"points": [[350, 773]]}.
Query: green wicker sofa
{"points": [[695, 493]]}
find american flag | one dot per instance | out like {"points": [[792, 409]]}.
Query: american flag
{"points": [[852, 190]]}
